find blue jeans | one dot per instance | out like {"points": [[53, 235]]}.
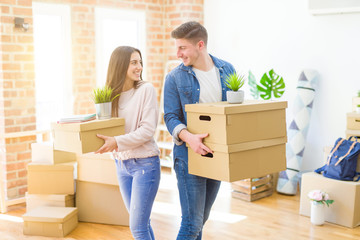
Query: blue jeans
{"points": [[139, 180], [197, 195]]}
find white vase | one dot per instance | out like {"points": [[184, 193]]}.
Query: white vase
{"points": [[357, 109], [235, 97], [317, 216], [103, 110]]}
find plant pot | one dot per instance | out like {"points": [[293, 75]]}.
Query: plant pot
{"points": [[317, 215], [235, 97], [103, 110], [357, 109]]}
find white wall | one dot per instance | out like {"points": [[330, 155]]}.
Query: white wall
{"points": [[282, 34]]}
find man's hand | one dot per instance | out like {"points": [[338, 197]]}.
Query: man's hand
{"points": [[195, 141], [109, 145]]}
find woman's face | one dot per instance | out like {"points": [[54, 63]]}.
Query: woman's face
{"points": [[135, 67]]}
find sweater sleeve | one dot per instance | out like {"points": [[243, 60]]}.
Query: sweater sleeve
{"points": [[148, 110]]}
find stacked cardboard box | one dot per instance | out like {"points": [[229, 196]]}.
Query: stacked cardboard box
{"points": [[353, 125], [98, 197], [355, 102], [50, 198], [50, 221], [52, 175], [248, 139], [345, 210]]}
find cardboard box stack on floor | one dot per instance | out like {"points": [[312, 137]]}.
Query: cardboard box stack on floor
{"points": [[345, 210], [248, 139], [353, 120], [50, 198], [98, 196], [53, 172]]}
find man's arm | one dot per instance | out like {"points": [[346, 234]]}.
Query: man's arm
{"points": [[172, 116], [172, 109]]}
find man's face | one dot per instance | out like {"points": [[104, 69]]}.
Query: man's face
{"points": [[187, 51]]}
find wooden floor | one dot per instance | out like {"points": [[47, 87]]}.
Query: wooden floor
{"points": [[274, 218]]}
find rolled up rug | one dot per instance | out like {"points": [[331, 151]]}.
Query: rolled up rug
{"points": [[303, 104]]}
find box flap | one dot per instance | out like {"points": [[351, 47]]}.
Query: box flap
{"points": [[353, 115], [50, 197], [246, 145], [48, 167], [87, 126], [50, 214], [353, 132], [227, 108]]}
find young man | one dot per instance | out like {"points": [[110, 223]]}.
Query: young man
{"points": [[200, 78]]}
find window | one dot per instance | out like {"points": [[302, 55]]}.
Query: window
{"points": [[117, 28], [52, 55]]}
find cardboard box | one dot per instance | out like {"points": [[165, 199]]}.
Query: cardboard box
{"points": [[44, 152], [345, 210], [327, 151], [239, 161], [228, 124], [50, 221], [48, 200], [100, 203], [353, 121], [355, 102], [98, 168], [51, 179], [355, 133], [81, 137]]}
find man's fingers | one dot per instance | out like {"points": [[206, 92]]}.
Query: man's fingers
{"points": [[204, 135], [208, 150]]}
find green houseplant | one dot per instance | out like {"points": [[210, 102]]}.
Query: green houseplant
{"points": [[358, 108], [234, 82], [102, 97], [271, 85]]}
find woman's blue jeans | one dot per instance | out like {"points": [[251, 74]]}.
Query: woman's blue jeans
{"points": [[197, 195], [139, 180]]}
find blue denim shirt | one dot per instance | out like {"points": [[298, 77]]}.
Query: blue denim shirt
{"points": [[182, 87]]}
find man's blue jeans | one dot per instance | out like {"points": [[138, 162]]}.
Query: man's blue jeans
{"points": [[139, 180], [197, 195]]}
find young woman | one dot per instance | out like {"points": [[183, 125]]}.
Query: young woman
{"points": [[136, 153]]}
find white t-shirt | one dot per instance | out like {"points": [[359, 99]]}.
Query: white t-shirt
{"points": [[210, 86]]}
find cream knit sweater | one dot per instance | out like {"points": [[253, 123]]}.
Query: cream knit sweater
{"points": [[139, 107]]}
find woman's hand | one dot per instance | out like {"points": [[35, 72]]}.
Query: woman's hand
{"points": [[109, 145]]}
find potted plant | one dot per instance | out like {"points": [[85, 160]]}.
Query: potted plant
{"points": [[102, 99], [318, 200], [358, 108], [234, 82]]}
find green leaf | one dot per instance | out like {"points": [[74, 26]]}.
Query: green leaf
{"points": [[103, 94], [271, 83], [253, 86], [234, 81]]}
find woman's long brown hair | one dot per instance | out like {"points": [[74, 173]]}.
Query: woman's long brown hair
{"points": [[117, 70]]}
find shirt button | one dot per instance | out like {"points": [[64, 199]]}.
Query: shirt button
{"points": [[198, 89]]}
